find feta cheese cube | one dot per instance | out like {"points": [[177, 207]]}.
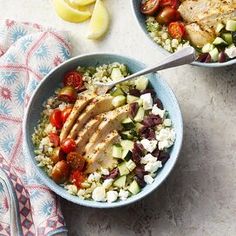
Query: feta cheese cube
{"points": [[157, 111], [130, 165], [107, 183], [104, 171], [231, 51], [123, 194], [147, 101], [97, 176], [152, 166], [148, 179], [99, 194], [167, 122], [149, 145], [112, 196], [148, 158]]}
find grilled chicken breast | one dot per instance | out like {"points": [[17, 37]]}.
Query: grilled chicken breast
{"points": [[202, 16]]}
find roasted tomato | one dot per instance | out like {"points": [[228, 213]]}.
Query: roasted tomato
{"points": [[74, 79], [171, 3], [167, 15], [65, 113], [176, 30], [57, 155], [67, 94], [149, 7], [60, 172], [55, 119], [77, 178], [68, 145], [75, 161], [54, 139]]}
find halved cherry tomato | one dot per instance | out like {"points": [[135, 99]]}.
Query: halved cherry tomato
{"points": [[55, 119], [74, 79], [75, 161], [54, 139], [60, 172], [65, 113], [77, 178], [57, 155], [167, 15], [176, 30], [67, 94], [149, 7], [171, 3], [68, 145]]}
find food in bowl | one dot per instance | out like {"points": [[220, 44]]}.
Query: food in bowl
{"points": [[103, 147], [209, 26]]}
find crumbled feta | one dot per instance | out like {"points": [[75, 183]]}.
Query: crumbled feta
{"points": [[72, 189], [147, 101], [167, 122], [157, 111], [130, 165], [90, 178], [112, 196], [148, 179], [231, 51], [104, 171], [99, 194], [107, 183], [152, 166], [148, 158], [149, 145], [123, 194], [97, 176], [166, 138], [81, 192]]}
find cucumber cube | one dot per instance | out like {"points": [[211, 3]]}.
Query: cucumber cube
{"points": [[140, 115], [118, 101], [120, 182], [141, 83], [230, 25], [214, 54], [134, 188], [123, 169], [117, 151]]}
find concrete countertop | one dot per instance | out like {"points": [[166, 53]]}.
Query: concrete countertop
{"points": [[199, 197]]}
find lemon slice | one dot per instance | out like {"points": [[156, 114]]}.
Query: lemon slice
{"points": [[99, 22], [67, 13], [82, 2]]}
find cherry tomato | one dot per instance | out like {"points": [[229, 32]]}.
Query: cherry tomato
{"points": [[167, 15], [75, 161], [171, 3], [74, 79], [65, 113], [176, 30], [149, 7], [77, 178], [67, 94], [68, 145], [55, 119], [57, 155], [60, 172], [54, 139]]}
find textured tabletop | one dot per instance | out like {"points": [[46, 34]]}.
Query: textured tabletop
{"points": [[199, 197]]}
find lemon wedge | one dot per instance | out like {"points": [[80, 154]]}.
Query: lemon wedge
{"points": [[99, 22], [82, 2], [68, 13]]}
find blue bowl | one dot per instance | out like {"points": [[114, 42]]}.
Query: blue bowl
{"points": [[47, 87], [141, 21]]}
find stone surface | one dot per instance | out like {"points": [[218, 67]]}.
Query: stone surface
{"points": [[199, 197]]}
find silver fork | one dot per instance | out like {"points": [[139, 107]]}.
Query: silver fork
{"points": [[181, 57]]}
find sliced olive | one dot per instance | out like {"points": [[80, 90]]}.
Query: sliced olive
{"points": [[67, 94]]}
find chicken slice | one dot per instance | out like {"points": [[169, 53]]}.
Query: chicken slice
{"points": [[82, 101], [102, 154], [97, 106]]}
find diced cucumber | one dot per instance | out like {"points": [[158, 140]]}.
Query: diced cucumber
{"points": [[138, 126], [128, 123], [127, 144], [116, 92], [230, 25], [119, 101], [116, 74], [207, 48], [126, 155], [126, 135], [123, 169], [131, 98], [141, 83], [117, 151], [120, 182], [219, 27], [130, 165], [214, 54], [140, 115], [134, 187], [219, 42], [228, 38]]}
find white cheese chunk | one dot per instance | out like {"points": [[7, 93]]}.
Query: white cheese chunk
{"points": [[99, 194], [148, 158], [112, 196], [152, 166], [147, 101], [231, 51], [123, 194], [149, 145], [148, 179], [107, 183], [157, 111]]}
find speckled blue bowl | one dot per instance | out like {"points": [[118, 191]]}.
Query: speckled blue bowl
{"points": [[47, 88], [135, 4]]}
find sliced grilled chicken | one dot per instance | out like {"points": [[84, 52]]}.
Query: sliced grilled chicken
{"points": [[81, 102], [97, 106], [86, 133], [101, 155], [111, 121]]}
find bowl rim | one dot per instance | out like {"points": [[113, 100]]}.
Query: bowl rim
{"points": [[163, 51], [75, 199]]}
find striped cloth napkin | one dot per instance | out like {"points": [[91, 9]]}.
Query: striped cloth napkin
{"points": [[27, 53]]}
